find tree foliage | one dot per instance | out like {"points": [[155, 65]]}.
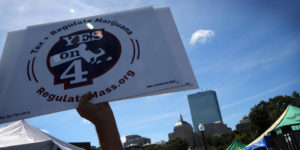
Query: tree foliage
{"points": [[245, 138], [177, 144], [219, 142], [223, 141], [174, 144], [264, 114]]}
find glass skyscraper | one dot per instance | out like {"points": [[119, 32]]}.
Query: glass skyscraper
{"points": [[204, 108]]}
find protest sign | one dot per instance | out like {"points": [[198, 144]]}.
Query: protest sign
{"points": [[168, 26], [115, 56]]}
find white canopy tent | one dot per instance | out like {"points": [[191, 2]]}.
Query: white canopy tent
{"points": [[21, 135]]}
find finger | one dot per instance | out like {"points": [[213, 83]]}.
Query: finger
{"points": [[103, 106], [89, 95], [85, 98]]}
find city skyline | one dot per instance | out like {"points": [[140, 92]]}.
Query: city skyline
{"points": [[247, 51]]}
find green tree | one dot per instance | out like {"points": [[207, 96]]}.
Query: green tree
{"points": [[223, 141], [219, 142], [177, 144], [158, 146], [174, 144], [296, 95], [264, 114], [245, 138]]}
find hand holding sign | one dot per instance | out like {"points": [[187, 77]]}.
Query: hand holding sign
{"points": [[103, 118], [95, 113]]}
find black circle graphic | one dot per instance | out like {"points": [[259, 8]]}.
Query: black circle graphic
{"points": [[76, 59]]}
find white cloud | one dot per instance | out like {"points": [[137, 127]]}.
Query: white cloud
{"points": [[255, 97], [156, 118], [258, 58], [232, 117], [135, 125], [201, 36]]}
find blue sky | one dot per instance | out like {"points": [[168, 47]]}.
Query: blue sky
{"points": [[247, 51]]}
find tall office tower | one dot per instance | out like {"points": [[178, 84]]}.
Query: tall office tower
{"points": [[204, 108]]}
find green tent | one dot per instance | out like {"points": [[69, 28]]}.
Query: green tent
{"points": [[236, 145], [291, 117]]}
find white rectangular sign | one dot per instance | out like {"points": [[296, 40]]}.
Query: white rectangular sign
{"points": [[46, 68]]}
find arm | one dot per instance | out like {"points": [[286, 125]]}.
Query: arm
{"points": [[103, 118]]}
